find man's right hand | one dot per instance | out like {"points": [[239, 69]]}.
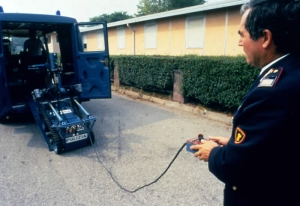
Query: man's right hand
{"points": [[220, 140]]}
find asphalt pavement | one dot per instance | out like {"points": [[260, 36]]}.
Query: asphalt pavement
{"points": [[136, 139]]}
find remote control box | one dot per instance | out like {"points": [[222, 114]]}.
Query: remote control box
{"points": [[193, 141]]}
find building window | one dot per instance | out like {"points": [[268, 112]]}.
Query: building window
{"points": [[150, 35], [84, 41], [121, 35], [195, 32]]}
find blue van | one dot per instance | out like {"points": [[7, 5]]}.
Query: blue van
{"points": [[47, 67]]}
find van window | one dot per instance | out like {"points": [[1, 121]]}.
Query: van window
{"points": [[91, 40]]}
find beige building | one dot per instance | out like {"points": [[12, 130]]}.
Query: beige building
{"points": [[208, 29], [53, 43]]}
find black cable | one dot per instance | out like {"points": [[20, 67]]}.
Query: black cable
{"points": [[133, 191]]}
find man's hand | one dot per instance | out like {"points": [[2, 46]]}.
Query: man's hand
{"points": [[220, 140], [204, 149]]}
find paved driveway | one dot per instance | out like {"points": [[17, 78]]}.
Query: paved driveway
{"points": [[135, 141]]}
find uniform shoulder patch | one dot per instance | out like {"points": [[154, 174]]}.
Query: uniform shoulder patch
{"points": [[239, 136], [271, 78]]}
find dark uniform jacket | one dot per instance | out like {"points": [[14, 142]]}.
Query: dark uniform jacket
{"points": [[260, 164]]}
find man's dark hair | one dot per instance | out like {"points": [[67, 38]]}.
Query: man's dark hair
{"points": [[281, 17]]}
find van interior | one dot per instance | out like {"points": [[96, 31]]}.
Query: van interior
{"points": [[25, 72]]}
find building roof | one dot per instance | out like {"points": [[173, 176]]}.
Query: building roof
{"points": [[176, 12], [41, 18]]}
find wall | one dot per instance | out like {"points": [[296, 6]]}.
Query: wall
{"points": [[232, 39], [220, 36]]}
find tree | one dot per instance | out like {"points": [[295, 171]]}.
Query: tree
{"points": [[177, 4], [116, 16], [146, 7]]}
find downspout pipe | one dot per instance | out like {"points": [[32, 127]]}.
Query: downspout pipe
{"points": [[133, 38], [226, 32]]}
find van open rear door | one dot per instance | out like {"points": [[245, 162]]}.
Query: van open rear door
{"points": [[5, 101], [93, 60]]}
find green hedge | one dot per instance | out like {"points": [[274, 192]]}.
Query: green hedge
{"points": [[146, 72], [216, 82]]}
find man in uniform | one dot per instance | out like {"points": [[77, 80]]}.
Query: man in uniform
{"points": [[259, 163]]}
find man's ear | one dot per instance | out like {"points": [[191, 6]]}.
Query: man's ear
{"points": [[267, 38]]}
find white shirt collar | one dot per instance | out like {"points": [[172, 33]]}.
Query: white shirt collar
{"points": [[273, 62]]}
